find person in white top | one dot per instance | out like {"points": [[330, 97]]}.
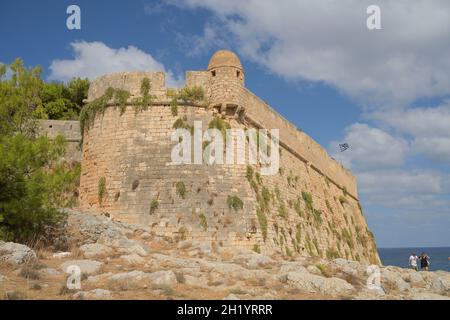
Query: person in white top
{"points": [[413, 261]]}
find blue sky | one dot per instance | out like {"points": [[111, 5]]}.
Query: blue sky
{"points": [[385, 92]]}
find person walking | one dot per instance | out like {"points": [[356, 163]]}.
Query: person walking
{"points": [[413, 261], [424, 261]]}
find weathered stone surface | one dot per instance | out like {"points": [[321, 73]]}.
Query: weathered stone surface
{"points": [[311, 283], [391, 280], [231, 296], [184, 244], [96, 294], [131, 246], [253, 260], [86, 266], [133, 258], [428, 296], [163, 278], [49, 272], [61, 255], [16, 253], [95, 250]]}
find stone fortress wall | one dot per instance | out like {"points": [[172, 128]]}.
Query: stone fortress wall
{"points": [[70, 130], [310, 207]]}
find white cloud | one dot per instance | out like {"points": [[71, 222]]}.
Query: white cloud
{"points": [[429, 128], [371, 148], [378, 159], [328, 41], [93, 59]]}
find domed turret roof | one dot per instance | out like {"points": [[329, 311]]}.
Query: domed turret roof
{"points": [[224, 58]]}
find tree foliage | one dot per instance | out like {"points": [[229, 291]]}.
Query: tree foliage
{"points": [[34, 182]]}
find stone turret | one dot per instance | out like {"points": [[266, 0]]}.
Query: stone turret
{"points": [[226, 83]]}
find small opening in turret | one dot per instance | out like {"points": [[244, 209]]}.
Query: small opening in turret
{"points": [[213, 73], [238, 73]]}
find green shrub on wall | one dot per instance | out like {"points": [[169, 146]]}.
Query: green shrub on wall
{"points": [[181, 189], [235, 203], [154, 206], [101, 189]]}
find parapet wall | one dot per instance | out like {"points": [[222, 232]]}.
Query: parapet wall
{"points": [[299, 143], [70, 130], [129, 81]]}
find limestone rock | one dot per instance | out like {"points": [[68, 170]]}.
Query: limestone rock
{"points": [[414, 278], [133, 258], [185, 244], [392, 280], [61, 255], [253, 260], [231, 297], [163, 278], [15, 253], [351, 267], [428, 296], [312, 283], [49, 272], [129, 246], [86, 266], [96, 294], [95, 250]]}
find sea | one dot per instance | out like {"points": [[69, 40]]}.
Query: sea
{"points": [[400, 257]]}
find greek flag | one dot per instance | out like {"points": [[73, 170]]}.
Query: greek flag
{"points": [[344, 146]]}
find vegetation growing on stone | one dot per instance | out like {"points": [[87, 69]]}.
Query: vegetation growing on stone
{"points": [[249, 173], [347, 238], [307, 197], [219, 124], [265, 197], [203, 221], [256, 248], [101, 189], [154, 206], [262, 219], [121, 98], [183, 232], [327, 203], [234, 202], [258, 178], [146, 99], [317, 214], [195, 94], [343, 200], [282, 211], [181, 123], [298, 208], [181, 189]]}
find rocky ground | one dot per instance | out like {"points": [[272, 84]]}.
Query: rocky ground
{"points": [[120, 261]]}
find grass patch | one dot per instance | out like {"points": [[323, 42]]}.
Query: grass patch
{"points": [[282, 211], [154, 206], [327, 203], [101, 189], [235, 203], [219, 124], [343, 200], [181, 189], [262, 219], [203, 221], [307, 197]]}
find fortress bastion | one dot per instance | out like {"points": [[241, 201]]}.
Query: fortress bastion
{"points": [[309, 208]]}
